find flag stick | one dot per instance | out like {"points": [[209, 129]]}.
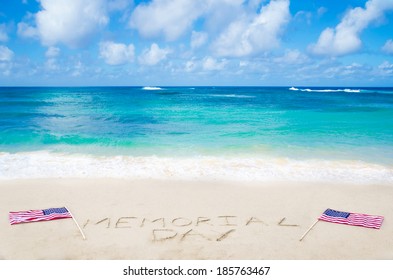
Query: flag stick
{"points": [[72, 216], [313, 225]]}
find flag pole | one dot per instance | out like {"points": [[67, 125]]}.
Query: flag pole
{"points": [[72, 216], [313, 225]]}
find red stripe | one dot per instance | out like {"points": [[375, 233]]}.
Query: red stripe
{"points": [[356, 219], [35, 216]]}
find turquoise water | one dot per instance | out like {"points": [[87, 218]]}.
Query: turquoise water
{"points": [[236, 122]]}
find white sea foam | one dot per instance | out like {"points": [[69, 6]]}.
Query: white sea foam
{"points": [[44, 164], [231, 95], [152, 88], [326, 90]]}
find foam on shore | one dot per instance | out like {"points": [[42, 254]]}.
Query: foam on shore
{"points": [[44, 164]]}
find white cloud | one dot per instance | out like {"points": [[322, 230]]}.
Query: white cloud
{"points": [[198, 39], [71, 22], [386, 68], [153, 55], [6, 64], [116, 54], [249, 35], [51, 63], [119, 5], [190, 65], [168, 18], [292, 57], [3, 33], [303, 16], [352, 69], [52, 52], [173, 18], [388, 47], [27, 31], [208, 63], [211, 64], [344, 38], [321, 11], [6, 54], [78, 69], [220, 13], [5, 69]]}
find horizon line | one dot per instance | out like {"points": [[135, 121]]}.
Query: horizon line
{"points": [[188, 86]]}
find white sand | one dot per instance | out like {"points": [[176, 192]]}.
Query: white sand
{"points": [[128, 219]]}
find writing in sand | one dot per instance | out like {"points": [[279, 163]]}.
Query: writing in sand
{"points": [[216, 228]]}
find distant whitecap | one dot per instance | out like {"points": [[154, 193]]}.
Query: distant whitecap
{"points": [[326, 90], [231, 95], [152, 88]]}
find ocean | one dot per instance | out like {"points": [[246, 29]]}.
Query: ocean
{"points": [[236, 133]]}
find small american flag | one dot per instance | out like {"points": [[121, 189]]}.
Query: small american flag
{"points": [[38, 215], [353, 219]]}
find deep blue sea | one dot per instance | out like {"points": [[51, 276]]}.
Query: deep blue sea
{"points": [[249, 133]]}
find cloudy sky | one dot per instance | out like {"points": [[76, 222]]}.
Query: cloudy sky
{"points": [[190, 42]]}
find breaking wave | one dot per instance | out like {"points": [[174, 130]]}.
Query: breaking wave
{"points": [[44, 164], [231, 95], [152, 88], [325, 90]]}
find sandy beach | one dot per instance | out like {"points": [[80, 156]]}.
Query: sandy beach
{"points": [[163, 219], [163, 132]]}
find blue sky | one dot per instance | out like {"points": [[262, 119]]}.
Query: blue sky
{"points": [[188, 42]]}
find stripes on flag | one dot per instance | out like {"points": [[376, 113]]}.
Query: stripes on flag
{"points": [[353, 219], [38, 215]]}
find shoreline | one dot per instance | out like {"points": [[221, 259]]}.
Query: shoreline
{"points": [[172, 219], [256, 168]]}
